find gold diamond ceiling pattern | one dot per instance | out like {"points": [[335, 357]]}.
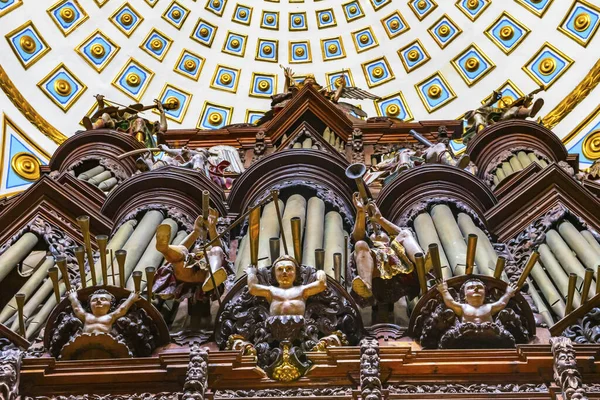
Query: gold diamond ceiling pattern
{"points": [[427, 59]]}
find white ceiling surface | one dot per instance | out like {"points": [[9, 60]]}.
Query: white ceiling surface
{"points": [[507, 66]]}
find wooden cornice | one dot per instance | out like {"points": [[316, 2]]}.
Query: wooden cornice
{"points": [[14, 337], [577, 314], [317, 137]]}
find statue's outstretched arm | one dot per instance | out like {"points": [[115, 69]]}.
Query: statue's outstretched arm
{"points": [[76, 305], [123, 308], [449, 300], [190, 239], [501, 304], [360, 226], [256, 289], [315, 287]]}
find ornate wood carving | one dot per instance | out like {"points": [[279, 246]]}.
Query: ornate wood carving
{"points": [[196, 379], [10, 366], [566, 374], [473, 388], [370, 380]]}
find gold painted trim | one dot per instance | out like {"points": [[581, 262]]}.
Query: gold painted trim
{"points": [[35, 59], [292, 15], [150, 74], [368, 78], [259, 75], [262, 20], [274, 42], [436, 38], [151, 3], [378, 6], [470, 82], [446, 85], [99, 68], [582, 125], [427, 57], [238, 71], [227, 51], [577, 95], [305, 42], [535, 78], [533, 10], [24, 136], [486, 4], [185, 107], [124, 31], [77, 95], [102, 3], [212, 37], [178, 25], [200, 67], [391, 34], [217, 13], [28, 111], [400, 95], [498, 43], [342, 49], [163, 36], [207, 104], [233, 16], [570, 34], [83, 18], [14, 6], [354, 39], [359, 16]]}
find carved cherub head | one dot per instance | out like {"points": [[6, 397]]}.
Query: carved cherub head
{"points": [[285, 269], [474, 292], [101, 301]]}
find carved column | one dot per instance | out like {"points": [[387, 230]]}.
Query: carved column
{"points": [[10, 366], [196, 378], [566, 374], [370, 381]]}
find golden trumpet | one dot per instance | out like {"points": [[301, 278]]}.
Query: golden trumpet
{"points": [[254, 231], [150, 272], [471, 250], [500, 264], [20, 298], [357, 172], [420, 263], [528, 267], [61, 261], [102, 241], [121, 255], [297, 238], [84, 224], [570, 293], [80, 255]]}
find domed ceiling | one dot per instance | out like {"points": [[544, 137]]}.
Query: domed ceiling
{"points": [[426, 59]]}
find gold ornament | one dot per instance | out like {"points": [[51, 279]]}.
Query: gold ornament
{"points": [[215, 118], [444, 30], [204, 32], [67, 14], [421, 5], [62, 87], [225, 79], [176, 13], [235, 43], [97, 50], [394, 24], [473, 4], [547, 66], [505, 102], [378, 72], [299, 51], [126, 19], [242, 13], [27, 44], [133, 79], [591, 146], [286, 371], [413, 55], [332, 48], [364, 39], [472, 64], [173, 103], [325, 17], [26, 166], [156, 44], [297, 21], [353, 9], [190, 65], [338, 82], [582, 21], [434, 91], [270, 19], [507, 32], [216, 3], [264, 85], [267, 49], [392, 110]]}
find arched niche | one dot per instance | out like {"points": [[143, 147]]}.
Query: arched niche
{"points": [[179, 190], [414, 189], [102, 145], [495, 144], [312, 169]]}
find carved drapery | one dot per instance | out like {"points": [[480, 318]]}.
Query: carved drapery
{"points": [[566, 374], [370, 381], [196, 378]]}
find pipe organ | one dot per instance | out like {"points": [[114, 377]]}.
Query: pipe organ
{"points": [[515, 163], [100, 177]]}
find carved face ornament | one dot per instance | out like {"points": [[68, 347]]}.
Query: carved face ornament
{"points": [[285, 273], [474, 293]]}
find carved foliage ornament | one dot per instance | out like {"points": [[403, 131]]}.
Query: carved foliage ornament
{"points": [[370, 382], [587, 330], [10, 365], [566, 374], [196, 378]]}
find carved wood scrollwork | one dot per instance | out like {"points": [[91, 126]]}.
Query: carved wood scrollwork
{"points": [[370, 381], [587, 330], [566, 374], [10, 365], [196, 378]]}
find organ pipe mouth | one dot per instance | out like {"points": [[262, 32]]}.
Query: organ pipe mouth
{"points": [[150, 272], [137, 281], [61, 261], [84, 225], [121, 255], [587, 283], [275, 249]]}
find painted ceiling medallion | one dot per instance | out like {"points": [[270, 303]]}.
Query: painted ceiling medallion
{"points": [[67, 15], [581, 22], [507, 33], [27, 44], [62, 87], [98, 50]]}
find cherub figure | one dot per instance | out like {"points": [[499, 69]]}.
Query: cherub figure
{"points": [[475, 311], [100, 320], [190, 266], [386, 257], [286, 299]]}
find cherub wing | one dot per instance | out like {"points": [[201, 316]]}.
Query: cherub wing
{"points": [[351, 108], [352, 92]]}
